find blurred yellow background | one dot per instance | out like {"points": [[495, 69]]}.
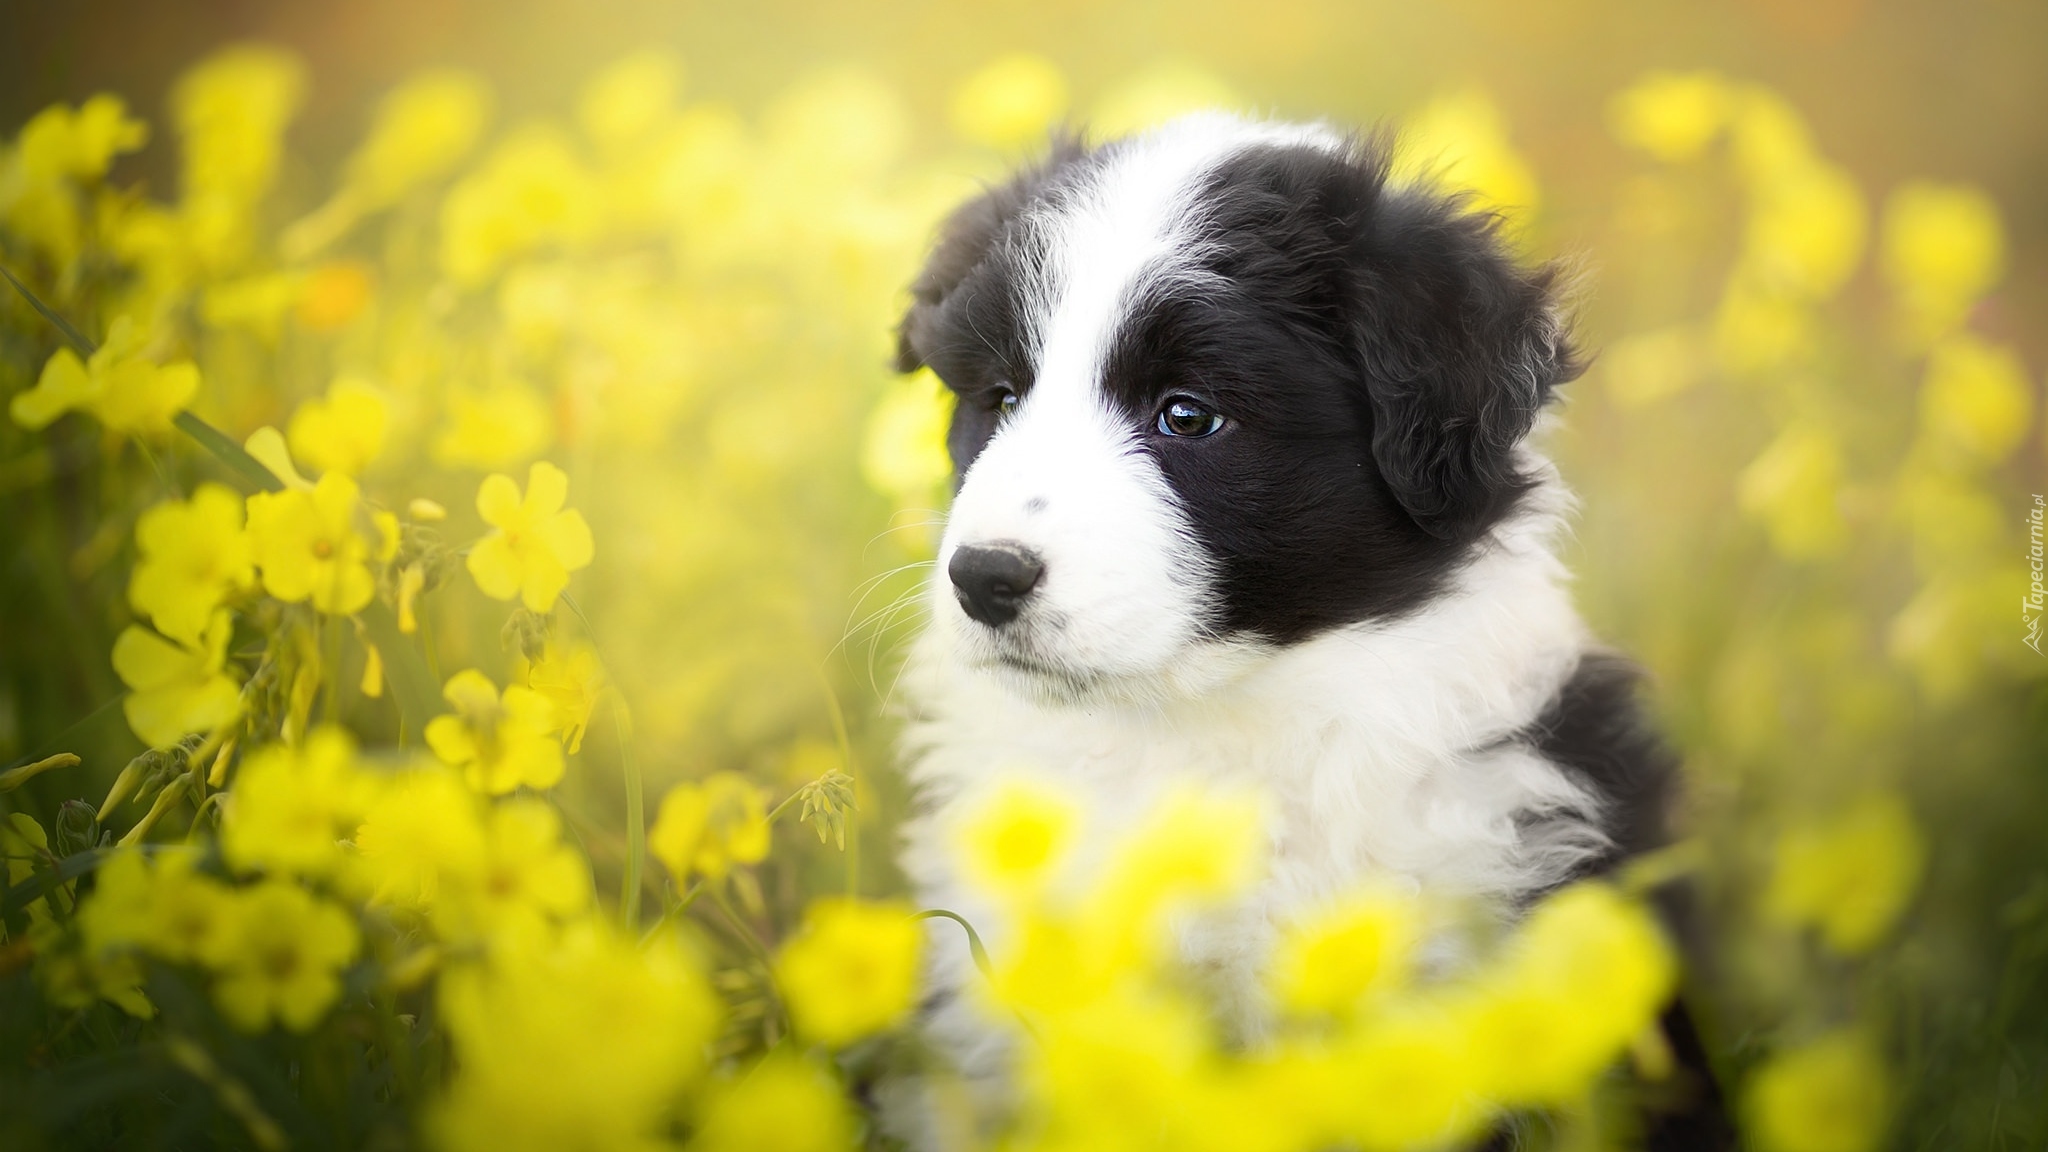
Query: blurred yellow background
{"points": [[1809, 246]]}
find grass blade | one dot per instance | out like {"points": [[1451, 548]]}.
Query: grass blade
{"points": [[85, 347], [412, 685], [227, 451]]}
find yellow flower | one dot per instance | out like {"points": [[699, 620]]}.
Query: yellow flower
{"points": [[1852, 875], [343, 431], [1461, 141], [194, 554], [176, 687], [1191, 848], [231, 111], [290, 807], [781, 1104], [1805, 232], [1768, 137], [534, 544], [163, 905], [904, 455], [707, 828], [423, 128], [119, 385], [334, 294], [1758, 332], [1012, 101], [1015, 839], [1116, 1073], [267, 445], [1795, 487], [1362, 946], [625, 102], [255, 304], [71, 977], [59, 143], [280, 957], [1831, 1095], [1671, 115], [524, 873], [1943, 248], [584, 1042], [1409, 1081], [492, 428], [23, 844], [573, 681], [422, 830], [308, 545], [1588, 973], [1954, 629], [531, 192], [501, 742], [843, 123], [1977, 397], [851, 971], [42, 212]]}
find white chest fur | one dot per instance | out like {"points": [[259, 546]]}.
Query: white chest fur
{"points": [[1385, 751]]}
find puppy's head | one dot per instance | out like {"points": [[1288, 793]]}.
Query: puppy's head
{"points": [[1221, 388]]}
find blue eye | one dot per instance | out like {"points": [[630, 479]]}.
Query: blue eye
{"points": [[1006, 404], [1185, 416]]}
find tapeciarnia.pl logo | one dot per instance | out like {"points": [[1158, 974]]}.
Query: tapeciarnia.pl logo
{"points": [[2037, 597]]}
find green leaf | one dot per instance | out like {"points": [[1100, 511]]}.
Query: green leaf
{"points": [[227, 451], [45, 880], [412, 685]]}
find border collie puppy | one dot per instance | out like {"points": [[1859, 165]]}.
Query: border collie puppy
{"points": [[1245, 497]]}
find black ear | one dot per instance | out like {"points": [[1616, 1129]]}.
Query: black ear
{"points": [[966, 239], [1461, 347]]}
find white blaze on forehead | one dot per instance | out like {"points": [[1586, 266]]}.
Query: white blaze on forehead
{"points": [[1134, 222], [1126, 592]]}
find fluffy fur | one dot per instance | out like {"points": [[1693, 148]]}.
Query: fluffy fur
{"points": [[1345, 596]]}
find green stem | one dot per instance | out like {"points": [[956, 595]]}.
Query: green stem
{"points": [[779, 809], [846, 757], [746, 934], [974, 946], [636, 820], [423, 611], [330, 635], [674, 912]]}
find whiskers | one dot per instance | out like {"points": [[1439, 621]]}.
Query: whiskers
{"points": [[883, 628]]}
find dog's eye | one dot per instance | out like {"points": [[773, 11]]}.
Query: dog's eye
{"points": [[1006, 403], [1184, 416]]}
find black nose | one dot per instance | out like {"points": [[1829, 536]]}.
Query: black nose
{"points": [[991, 580]]}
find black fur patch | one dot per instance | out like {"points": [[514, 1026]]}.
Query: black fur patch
{"points": [[966, 320], [1596, 731], [1309, 268]]}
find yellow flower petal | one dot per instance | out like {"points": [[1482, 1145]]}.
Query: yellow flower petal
{"points": [[63, 386], [497, 500], [567, 536], [495, 568], [267, 445], [547, 489], [143, 659]]}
